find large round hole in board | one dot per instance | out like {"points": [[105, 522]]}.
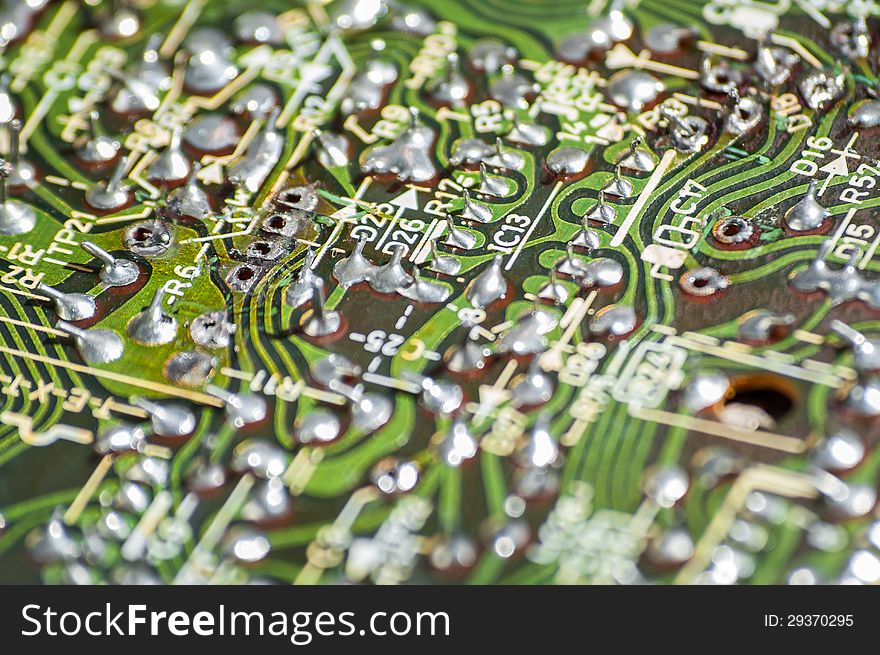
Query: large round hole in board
{"points": [[762, 393]]}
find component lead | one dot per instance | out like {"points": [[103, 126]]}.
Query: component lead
{"points": [[69, 306], [115, 271]]}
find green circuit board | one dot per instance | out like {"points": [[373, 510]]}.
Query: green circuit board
{"points": [[439, 292]]}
